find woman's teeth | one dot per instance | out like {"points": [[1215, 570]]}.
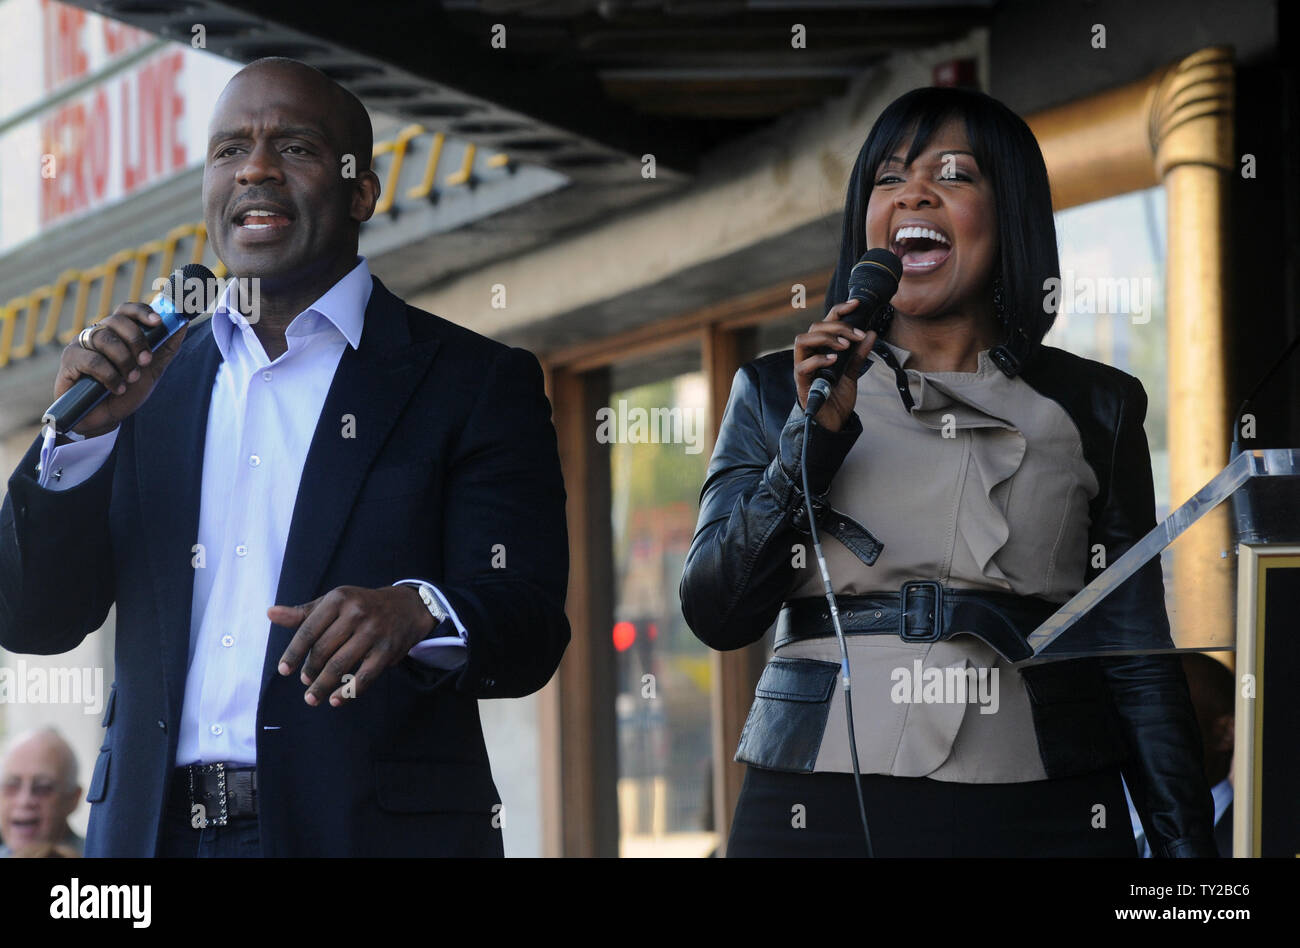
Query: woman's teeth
{"points": [[912, 233], [921, 248]]}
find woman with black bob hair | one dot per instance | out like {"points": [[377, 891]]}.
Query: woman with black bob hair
{"points": [[961, 493], [1001, 142]]}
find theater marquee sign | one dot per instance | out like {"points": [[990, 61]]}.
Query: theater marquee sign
{"points": [[94, 112], [97, 113]]}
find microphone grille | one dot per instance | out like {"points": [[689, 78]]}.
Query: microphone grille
{"points": [[193, 289], [878, 269]]}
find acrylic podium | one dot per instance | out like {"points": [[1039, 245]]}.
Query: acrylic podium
{"points": [[1263, 493]]}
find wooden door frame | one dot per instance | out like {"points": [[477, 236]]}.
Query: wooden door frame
{"points": [[578, 739]]}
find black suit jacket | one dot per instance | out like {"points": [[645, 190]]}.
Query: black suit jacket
{"points": [[453, 462], [1223, 833]]}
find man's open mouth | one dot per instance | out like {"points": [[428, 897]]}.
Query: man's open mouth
{"points": [[921, 249], [255, 219]]}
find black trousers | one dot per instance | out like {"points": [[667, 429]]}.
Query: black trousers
{"points": [[178, 839], [816, 815]]}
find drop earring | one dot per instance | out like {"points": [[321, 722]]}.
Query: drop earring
{"points": [[1016, 346], [1000, 306]]}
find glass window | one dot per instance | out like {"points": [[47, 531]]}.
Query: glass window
{"points": [[657, 426], [1112, 303]]}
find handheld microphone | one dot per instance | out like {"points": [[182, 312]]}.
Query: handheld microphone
{"points": [[874, 281], [175, 306]]}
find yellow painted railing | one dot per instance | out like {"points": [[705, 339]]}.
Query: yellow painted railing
{"points": [[165, 251], [105, 274]]}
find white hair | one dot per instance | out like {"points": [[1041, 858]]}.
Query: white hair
{"points": [[68, 766]]}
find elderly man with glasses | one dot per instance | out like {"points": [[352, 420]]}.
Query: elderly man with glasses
{"points": [[38, 792]]}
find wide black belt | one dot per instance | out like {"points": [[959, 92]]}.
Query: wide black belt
{"points": [[224, 791], [922, 611]]}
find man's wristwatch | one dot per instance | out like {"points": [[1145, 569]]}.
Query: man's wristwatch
{"points": [[429, 598]]}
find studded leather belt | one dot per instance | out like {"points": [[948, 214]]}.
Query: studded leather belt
{"points": [[224, 791], [922, 611]]}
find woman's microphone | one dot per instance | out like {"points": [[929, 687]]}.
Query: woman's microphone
{"points": [[176, 307], [874, 281]]}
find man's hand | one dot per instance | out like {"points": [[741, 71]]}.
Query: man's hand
{"points": [[119, 359], [347, 627]]}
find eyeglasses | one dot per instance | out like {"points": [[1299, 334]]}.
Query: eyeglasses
{"points": [[42, 788]]}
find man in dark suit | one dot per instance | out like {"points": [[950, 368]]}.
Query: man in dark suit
{"points": [[329, 483], [1213, 692]]}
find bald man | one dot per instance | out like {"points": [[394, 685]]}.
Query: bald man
{"points": [[38, 792], [330, 523]]}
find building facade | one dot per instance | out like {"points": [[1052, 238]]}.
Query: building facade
{"points": [[647, 200]]}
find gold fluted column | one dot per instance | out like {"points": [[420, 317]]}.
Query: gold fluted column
{"points": [[1175, 128], [1191, 132]]}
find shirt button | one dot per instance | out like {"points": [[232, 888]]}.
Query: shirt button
{"points": [[162, 725], [227, 640], [254, 460], [267, 375], [216, 730], [241, 550]]}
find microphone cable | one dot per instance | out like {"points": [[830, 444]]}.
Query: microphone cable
{"points": [[845, 677]]}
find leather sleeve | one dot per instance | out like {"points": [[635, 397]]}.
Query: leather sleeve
{"points": [[741, 562], [1163, 767]]}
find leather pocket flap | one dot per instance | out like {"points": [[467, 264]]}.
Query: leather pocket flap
{"points": [[788, 718], [1068, 682], [797, 679]]}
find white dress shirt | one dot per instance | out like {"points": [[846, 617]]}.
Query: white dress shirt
{"points": [[261, 422]]}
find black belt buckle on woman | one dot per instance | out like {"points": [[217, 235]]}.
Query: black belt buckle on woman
{"points": [[922, 611]]}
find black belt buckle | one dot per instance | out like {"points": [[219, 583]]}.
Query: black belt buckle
{"points": [[928, 597], [222, 818]]}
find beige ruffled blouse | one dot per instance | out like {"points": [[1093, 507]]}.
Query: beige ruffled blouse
{"points": [[983, 485]]}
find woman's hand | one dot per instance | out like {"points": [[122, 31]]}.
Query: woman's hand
{"points": [[844, 341]]}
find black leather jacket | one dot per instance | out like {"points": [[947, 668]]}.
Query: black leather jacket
{"points": [[1088, 713]]}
